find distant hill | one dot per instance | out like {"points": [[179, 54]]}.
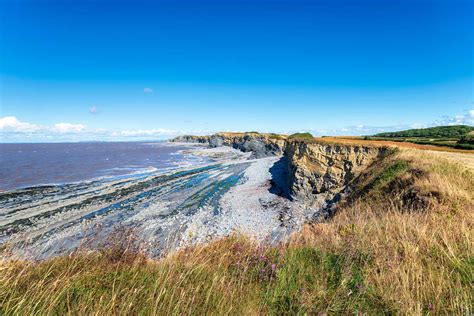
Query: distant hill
{"points": [[455, 131]]}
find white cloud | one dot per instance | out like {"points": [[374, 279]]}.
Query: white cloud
{"points": [[461, 119], [12, 124], [358, 130], [14, 130], [148, 90], [68, 128], [145, 132], [93, 110]]}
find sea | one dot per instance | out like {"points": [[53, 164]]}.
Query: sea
{"points": [[56, 198], [30, 165], [59, 198]]}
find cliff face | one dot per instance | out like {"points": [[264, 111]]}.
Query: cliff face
{"points": [[261, 145], [191, 139], [316, 168]]}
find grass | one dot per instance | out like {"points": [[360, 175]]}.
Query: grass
{"points": [[375, 256], [456, 137], [432, 132], [390, 173], [301, 136]]}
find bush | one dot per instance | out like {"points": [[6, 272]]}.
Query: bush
{"points": [[467, 139], [302, 136]]}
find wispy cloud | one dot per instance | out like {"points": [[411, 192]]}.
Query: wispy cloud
{"points": [[68, 128], [360, 130], [462, 119], [13, 129], [145, 132], [93, 110], [148, 90]]}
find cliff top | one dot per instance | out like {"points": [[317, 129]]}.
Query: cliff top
{"points": [[386, 143], [344, 140]]}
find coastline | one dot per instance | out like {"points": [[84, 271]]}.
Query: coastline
{"points": [[167, 209]]}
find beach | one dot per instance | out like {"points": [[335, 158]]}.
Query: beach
{"points": [[227, 192]]}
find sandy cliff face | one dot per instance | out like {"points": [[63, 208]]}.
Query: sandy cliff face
{"points": [[316, 168]]}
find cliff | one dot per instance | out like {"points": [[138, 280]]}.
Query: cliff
{"points": [[261, 145], [191, 139], [320, 167], [313, 167]]}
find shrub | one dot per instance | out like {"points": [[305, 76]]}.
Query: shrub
{"points": [[302, 136]]}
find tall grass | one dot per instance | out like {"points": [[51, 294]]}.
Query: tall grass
{"points": [[377, 255]]}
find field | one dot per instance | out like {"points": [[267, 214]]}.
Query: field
{"points": [[456, 136], [377, 141], [401, 243]]}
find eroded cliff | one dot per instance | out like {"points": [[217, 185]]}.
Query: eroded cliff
{"points": [[261, 145], [316, 169], [319, 167]]}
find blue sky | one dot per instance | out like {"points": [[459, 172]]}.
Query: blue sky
{"points": [[115, 70]]}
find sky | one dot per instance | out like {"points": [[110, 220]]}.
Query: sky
{"points": [[134, 70]]}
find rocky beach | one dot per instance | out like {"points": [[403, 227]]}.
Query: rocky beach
{"points": [[259, 185]]}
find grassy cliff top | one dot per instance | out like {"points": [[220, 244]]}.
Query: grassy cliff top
{"points": [[461, 144], [448, 146], [253, 133]]}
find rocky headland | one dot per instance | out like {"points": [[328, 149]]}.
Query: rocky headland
{"points": [[260, 145]]}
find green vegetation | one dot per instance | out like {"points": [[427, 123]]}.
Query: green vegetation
{"points": [[373, 257], [310, 281], [455, 131], [390, 173], [301, 136], [467, 139], [457, 136], [276, 136]]}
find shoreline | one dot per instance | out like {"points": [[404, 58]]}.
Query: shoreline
{"points": [[162, 207]]}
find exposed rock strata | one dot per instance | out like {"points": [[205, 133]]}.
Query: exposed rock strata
{"points": [[260, 145], [191, 139], [316, 169]]}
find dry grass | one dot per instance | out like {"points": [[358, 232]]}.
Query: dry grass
{"points": [[201, 280], [354, 140], [401, 246], [417, 260]]}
